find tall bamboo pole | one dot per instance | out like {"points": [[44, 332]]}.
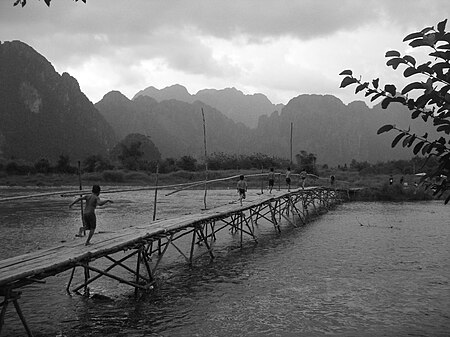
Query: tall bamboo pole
{"points": [[81, 202], [206, 158], [291, 142]]}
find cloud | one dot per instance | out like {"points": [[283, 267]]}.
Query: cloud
{"points": [[279, 48]]}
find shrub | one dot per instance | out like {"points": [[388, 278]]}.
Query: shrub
{"points": [[113, 176]]}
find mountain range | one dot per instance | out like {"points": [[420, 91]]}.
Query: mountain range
{"points": [[44, 114]]}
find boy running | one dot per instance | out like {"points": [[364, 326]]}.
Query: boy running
{"points": [[89, 219]]}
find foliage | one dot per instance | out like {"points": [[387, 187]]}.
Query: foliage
{"points": [[63, 164], [306, 162], [428, 98], [136, 152], [96, 163], [223, 161], [42, 166], [24, 2], [187, 163]]}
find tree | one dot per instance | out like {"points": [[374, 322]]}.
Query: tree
{"points": [[306, 162], [47, 2], [96, 163], [428, 97], [42, 166], [136, 152], [63, 164], [187, 163]]}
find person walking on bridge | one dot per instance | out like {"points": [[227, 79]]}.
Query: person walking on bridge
{"points": [[241, 188], [89, 218], [288, 178], [271, 177]]}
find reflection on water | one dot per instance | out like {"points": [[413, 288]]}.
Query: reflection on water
{"points": [[363, 269]]}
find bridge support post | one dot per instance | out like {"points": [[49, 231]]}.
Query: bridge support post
{"points": [[12, 296]]}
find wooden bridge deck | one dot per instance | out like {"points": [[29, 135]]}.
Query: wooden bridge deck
{"points": [[19, 271], [51, 261]]}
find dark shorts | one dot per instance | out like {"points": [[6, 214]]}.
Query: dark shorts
{"points": [[242, 192], [90, 221], [271, 181], [288, 181]]}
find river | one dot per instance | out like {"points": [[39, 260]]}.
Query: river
{"points": [[362, 269]]}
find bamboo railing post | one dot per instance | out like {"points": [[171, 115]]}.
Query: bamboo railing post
{"points": [[138, 264], [262, 180], [156, 192], [206, 158]]}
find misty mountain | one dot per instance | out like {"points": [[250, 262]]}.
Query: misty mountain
{"points": [[233, 103], [44, 114], [175, 127]]}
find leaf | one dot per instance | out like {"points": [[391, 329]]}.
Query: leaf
{"points": [[346, 72], [397, 139], [395, 62], [419, 43], [445, 55], [412, 86], [390, 88], [406, 141], [392, 53], [376, 96], [410, 59], [347, 81], [441, 26], [417, 147], [410, 71], [385, 128], [427, 29], [386, 101], [413, 36], [427, 148], [415, 114], [375, 83], [361, 87]]}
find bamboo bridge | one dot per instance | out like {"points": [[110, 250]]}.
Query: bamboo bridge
{"points": [[139, 249]]}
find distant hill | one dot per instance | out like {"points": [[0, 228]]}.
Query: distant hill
{"points": [[322, 124], [44, 114], [175, 127], [233, 103]]}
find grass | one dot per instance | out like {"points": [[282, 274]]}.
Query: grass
{"points": [[376, 186]]}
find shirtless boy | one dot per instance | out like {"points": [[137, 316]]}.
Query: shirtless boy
{"points": [[89, 219]]}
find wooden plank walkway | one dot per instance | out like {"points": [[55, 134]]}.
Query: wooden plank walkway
{"points": [[47, 262], [19, 271]]}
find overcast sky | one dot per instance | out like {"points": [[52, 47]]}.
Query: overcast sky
{"points": [[281, 48]]}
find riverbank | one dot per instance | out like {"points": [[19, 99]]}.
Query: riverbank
{"points": [[374, 187]]}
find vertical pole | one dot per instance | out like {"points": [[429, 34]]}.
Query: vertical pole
{"points": [[291, 142], [279, 181], [191, 255], [81, 202], [206, 158], [86, 278], [262, 180], [156, 192], [138, 265]]}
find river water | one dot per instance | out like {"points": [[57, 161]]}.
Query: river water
{"points": [[362, 269]]}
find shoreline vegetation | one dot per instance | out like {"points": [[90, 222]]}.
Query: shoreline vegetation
{"points": [[375, 187]]}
